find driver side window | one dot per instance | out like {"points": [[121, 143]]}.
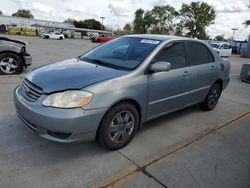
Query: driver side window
{"points": [[173, 53]]}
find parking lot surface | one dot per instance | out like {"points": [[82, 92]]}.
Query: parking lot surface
{"points": [[190, 148]]}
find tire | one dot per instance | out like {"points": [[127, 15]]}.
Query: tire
{"points": [[46, 37], [118, 126], [10, 63], [60, 38], [212, 98]]}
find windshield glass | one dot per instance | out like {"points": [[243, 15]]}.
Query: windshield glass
{"points": [[215, 45], [123, 53]]}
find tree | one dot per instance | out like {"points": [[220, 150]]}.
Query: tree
{"points": [[142, 21], [194, 19], [127, 29], [87, 24], [92, 24], [247, 22], [23, 13], [220, 38], [1, 13], [161, 18], [69, 20], [139, 21]]}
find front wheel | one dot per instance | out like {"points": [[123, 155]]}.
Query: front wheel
{"points": [[118, 126], [212, 98], [10, 63]]}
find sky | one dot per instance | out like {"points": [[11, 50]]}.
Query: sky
{"points": [[229, 13]]}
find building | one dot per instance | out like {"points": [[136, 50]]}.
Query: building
{"points": [[30, 23], [42, 26]]}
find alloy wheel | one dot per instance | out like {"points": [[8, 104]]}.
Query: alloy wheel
{"points": [[121, 126], [213, 96], [8, 65]]}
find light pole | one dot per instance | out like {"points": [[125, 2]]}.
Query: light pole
{"points": [[234, 29], [102, 17]]}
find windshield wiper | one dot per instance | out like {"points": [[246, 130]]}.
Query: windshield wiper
{"points": [[105, 64]]}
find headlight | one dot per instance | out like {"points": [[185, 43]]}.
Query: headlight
{"points": [[68, 99]]}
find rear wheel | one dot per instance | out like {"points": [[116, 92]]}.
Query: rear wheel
{"points": [[118, 126], [212, 98], [10, 63]]}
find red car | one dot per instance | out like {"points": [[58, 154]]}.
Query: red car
{"points": [[102, 38]]}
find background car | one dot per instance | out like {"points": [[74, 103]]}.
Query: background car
{"points": [[222, 48], [53, 35], [92, 35], [102, 38], [13, 56]]}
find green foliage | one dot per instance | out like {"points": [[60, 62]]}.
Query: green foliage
{"points": [[69, 20], [158, 20], [87, 24], [247, 22], [195, 17], [1, 13], [161, 18], [220, 38], [140, 21], [127, 29], [192, 20], [23, 13]]}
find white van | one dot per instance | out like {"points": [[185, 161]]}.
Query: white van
{"points": [[222, 48]]}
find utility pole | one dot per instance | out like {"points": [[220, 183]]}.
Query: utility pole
{"points": [[102, 17], [234, 29]]}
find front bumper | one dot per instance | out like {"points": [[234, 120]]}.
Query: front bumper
{"points": [[60, 125], [27, 59]]}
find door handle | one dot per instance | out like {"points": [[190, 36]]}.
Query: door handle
{"points": [[186, 73], [212, 68]]}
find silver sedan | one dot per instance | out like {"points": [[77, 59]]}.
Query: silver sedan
{"points": [[109, 92]]}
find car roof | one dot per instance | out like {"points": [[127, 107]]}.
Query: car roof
{"points": [[160, 37]]}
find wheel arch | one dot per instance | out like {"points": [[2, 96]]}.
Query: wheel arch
{"points": [[128, 100], [220, 82]]}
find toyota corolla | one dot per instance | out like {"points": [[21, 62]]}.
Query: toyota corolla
{"points": [[109, 92]]}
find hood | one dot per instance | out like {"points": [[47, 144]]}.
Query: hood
{"points": [[71, 74], [13, 40]]}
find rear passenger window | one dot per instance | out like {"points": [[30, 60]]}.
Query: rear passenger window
{"points": [[174, 54], [199, 54]]}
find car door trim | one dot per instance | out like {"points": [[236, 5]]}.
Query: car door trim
{"points": [[179, 95]]}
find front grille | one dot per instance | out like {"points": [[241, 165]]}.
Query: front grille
{"points": [[30, 91]]}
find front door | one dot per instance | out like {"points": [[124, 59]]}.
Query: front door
{"points": [[167, 91]]}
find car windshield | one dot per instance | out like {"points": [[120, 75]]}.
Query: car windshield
{"points": [[121, 53], [215, 45]]}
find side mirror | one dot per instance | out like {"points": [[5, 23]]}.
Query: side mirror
{"points": [[160, 66]]}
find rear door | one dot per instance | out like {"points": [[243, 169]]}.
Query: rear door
{"points": [[167, 90], [203, 68]]}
